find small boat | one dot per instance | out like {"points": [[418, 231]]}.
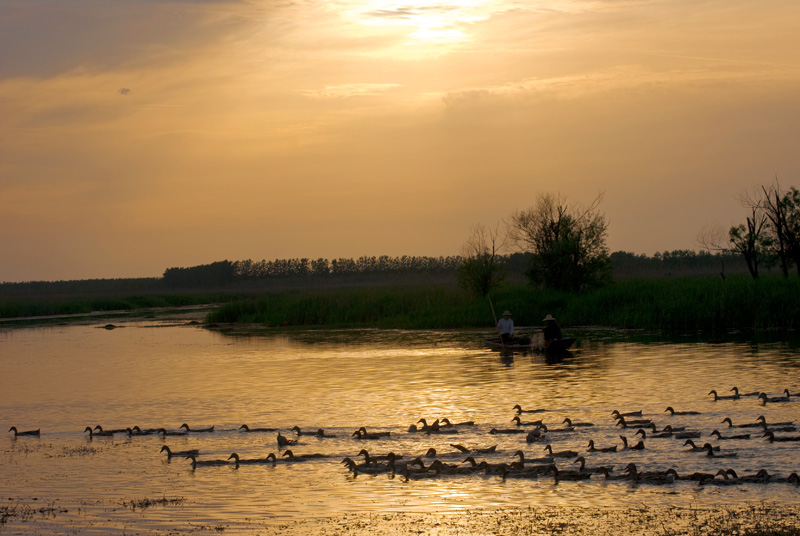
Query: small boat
{"points": [[532, 344]]}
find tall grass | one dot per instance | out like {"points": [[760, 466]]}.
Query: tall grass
{"points": [[677, 305]]}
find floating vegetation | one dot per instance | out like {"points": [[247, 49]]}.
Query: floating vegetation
{"points": [[25, 513], [141, 504]]}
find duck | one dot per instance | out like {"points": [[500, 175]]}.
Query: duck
{"points": [[735, 390], [793, 478], [197, 430], [735, 436], [534, 435], [774, 429], [362, 433], [621, 421], [284, 441], [270, 458], [616, 413], [301, 457], [183, 453], [138, 431], [17, 433], [446, 422], [164, 432], [428, 427], [322, 433], [641, 432], [374, 459], [673, 412], [99, 433], [593, 448], [545, 429], [522, 460], [637, 446], [620, 476], [298, 431], [247, 429], [113, 430], [520, 410], [591, 470], [771, 437], [206, 463], [762, 476], [465, 450], [520, 422], [571, 424], [560, 453], [562, 474], [374, 469], [710, 452], [734, 396], [763, 398], [495, 431], [695, 448], [746, 425], [763, 420], [655, 477]]}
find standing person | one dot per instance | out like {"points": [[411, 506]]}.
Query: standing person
{"points": [[551, 330], [506, 327]]}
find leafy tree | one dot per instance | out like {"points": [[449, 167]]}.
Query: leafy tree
{"points": [[568, 244], [482, 268]]}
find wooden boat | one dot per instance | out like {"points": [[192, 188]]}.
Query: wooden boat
{"points": [[532, 344]]}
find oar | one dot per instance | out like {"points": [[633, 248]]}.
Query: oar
{"points": [[495, 323]]}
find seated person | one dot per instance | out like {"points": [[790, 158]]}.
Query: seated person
{"points": [[551, 330], [506, 327]]}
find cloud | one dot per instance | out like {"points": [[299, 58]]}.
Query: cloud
{"points": [[347, 91]]}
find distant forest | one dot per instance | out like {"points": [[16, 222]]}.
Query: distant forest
{"points": [[249, 275]]}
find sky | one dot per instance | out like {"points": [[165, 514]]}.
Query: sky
{"points": [[140, 135]]}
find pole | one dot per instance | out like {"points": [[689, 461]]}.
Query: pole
{"points": [[495, 323]]}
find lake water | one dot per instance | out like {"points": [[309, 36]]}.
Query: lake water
{"points": [[65, 378]]}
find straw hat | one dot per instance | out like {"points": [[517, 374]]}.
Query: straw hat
{"points": [[548, 318], [506, 313]]}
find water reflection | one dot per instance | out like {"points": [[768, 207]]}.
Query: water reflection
{"points": [[66, 378]]}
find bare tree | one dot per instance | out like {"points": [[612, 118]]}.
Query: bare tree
{"points": [[568, 243], [482, 266]]}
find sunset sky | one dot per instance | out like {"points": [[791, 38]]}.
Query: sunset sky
{"points": [[145, 134]]}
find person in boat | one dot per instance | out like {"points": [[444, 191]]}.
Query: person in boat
{"points": [[551, 330], [506, 327]]}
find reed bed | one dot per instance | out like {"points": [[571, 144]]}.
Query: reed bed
{"points": [[682, 305]]}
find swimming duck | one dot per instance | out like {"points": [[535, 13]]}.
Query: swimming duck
{"points": [[641, 432], [696, 448], [520, 410], [747, 425], [139, 431], [616, 414], [763, 421], [17, 433], [519, 422], [763, 398], [183, 453], [245, 428], [322, 433], [621, 421], [735, 436], [373, 469], [284, 441], [428, 427], [99, 433], [637, 446], [545, 429], [735, 390], [446, 422], [465, 450], [374, 459], [495, 431], [302, 457], [560, 453], [710, 452], [270, 458], [197, 430], [591, 470], [570, 424], [164, 432], [734, 396], [655, 477], [206, 463], [534, 435], [762, 476], [673, 412], [522, 460], [563, 474], [592, 448], [113, 430], [362, 433], [771, 437]]}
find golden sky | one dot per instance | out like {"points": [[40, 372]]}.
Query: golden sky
{"points": [[141, 135]]}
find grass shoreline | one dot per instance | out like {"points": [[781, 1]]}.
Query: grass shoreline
{"points": [[688, 305]]}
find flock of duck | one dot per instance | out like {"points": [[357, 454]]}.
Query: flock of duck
{"points": [[560, 465]]}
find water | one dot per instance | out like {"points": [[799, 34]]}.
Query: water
{"points": [[63, 379]]}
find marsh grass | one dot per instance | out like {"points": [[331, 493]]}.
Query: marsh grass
{"points": [[683, 305], [146, 502]]}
